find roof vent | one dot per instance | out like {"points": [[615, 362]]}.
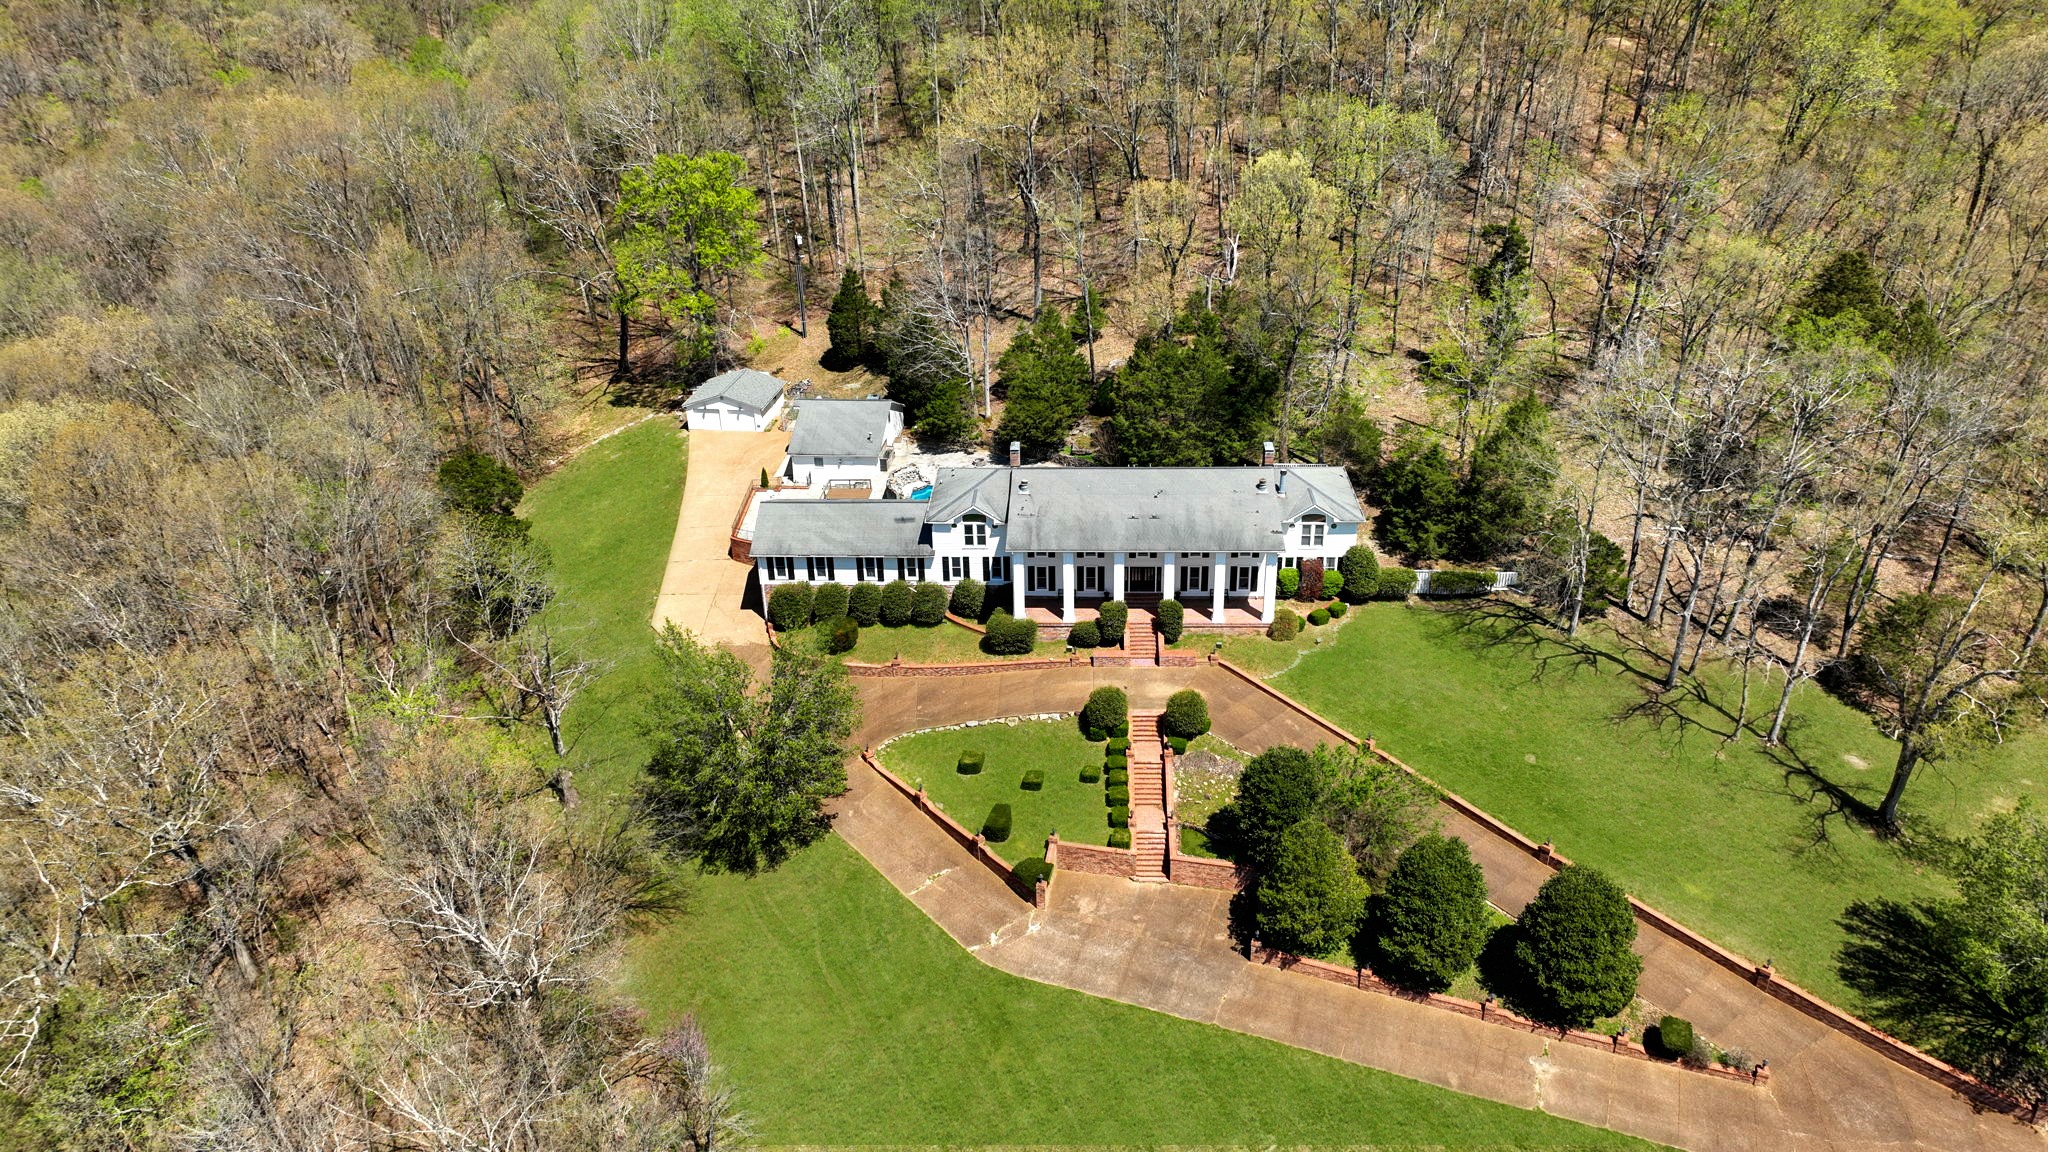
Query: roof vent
{"points": [[1261, 485], [1023, 486], [1280, 486]]}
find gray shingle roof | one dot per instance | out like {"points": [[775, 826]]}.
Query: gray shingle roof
{"points": [[840, 528], [1145, 509], [841, 427], [743, 386]]}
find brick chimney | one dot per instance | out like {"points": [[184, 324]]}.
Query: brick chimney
{"points": [[1016, 454], [1266, 454]]}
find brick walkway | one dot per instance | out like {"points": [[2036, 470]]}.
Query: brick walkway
{"points": [[1165, 947]]}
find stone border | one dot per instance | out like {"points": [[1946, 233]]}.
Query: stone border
{"points": [[1363, 979]]}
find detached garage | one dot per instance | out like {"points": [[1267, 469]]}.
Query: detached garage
{"points": [[742, 400]]}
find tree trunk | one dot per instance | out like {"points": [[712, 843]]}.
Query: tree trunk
{"points": [[624, 364], [1888, 812], [1684, 626]]}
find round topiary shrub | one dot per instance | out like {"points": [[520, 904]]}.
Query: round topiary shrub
{"points": [[1187, 715], [893, 609], [1338, 609], [967, 598], [1285, 626], [1428, 925], [789, 606], [970, 763], [1169, 620], [1572, 953], [1109, 622], [1034, 779], [928, 605], [1319, 617], [1120, 817], [1010, 635], [1361, 571], [1333, 583], [1084, 635], [1030, 871], [1117, 794], [829, 603], [1290, 582], [1105, 711], [864, 604], [996, 828], [1674, 1037], [842, 635]]}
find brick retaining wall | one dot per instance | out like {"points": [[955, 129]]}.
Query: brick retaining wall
{"points": [[1200, 871], [1364, 980], [975, 845], [855, 668], [1093, 859]]}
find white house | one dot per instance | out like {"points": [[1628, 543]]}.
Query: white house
{"points": [[842, 447], [1056, 542], [742, 400]]}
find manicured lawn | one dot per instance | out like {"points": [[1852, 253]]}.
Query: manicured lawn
{"points": [[1730, 838], [844, 1016], [1262, 657], [1065, 805], [946, 643]]}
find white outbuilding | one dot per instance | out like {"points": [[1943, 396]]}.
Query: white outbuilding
{"points": [[742, 400]]}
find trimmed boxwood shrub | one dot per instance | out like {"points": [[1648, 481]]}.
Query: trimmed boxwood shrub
{"points": [[1674, 1037], [1169, 620], [997, 827], [1319, 617], [894, 607], [1113, 763], [1117, 744], [1338, 608], [1091, 774], [1084, 635], [1290, 582], [789, 606], [1116, 794], [1122, 729], [1120, 817], [967, 597], [970, 762], [842, 634], [1034, 779], [1117, 776], [1361, 571], [1333, 583], [1179, 744], [1029, 872], [864, 604], [928, 605], [1119, 838], [1109, 622], [1394, 584], [1010, 635], [1285, 626], [1187, 714], [1104, 712], [829, 603], [1459, 582]]}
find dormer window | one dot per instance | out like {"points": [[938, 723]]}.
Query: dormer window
{"points": [[974, 531], [1312, 529]]}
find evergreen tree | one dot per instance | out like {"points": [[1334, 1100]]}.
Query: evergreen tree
{"points": [[1417, 493], [1309, 895], [1046, 386], [1567, 962], [1506, 490], [853, 323], [1500, 274], [1279, 788], [1427, 927], [1189, 400]]}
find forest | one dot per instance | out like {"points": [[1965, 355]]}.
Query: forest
{"points": [[1720, 318]]}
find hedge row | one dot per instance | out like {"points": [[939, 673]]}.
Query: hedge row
{"points": [[792, 606]]}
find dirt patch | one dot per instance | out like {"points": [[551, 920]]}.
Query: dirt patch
{"points": [[1856, 762]]}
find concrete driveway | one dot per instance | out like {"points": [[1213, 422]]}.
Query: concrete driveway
{"points": [[703, 587]]}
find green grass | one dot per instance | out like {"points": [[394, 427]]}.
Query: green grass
{"points": [[844, 1016], [1262, 657], [1065, 805], [1727, 837], [946, 643]]}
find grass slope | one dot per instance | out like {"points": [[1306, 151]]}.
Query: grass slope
{"points": [[1075, 810], [1727, 837], [845, 1016]]}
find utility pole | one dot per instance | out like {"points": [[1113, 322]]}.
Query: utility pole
{"points": [[803, 321]]}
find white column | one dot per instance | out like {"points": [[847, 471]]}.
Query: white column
{"points": [[1017, 582], [1169, 587], [1219, 579], [1067, 587], [1116, 575], [1269, 586]]}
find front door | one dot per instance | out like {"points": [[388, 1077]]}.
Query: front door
{"points": [[1139, 581]]}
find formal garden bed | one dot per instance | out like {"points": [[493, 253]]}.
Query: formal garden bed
{"points": [[1069, 800]]}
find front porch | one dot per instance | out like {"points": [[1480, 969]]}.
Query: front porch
{"points": [[1240, 613]]}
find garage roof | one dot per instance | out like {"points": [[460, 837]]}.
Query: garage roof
{"points": [[745, 387]]}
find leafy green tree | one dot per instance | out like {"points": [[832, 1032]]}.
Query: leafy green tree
{"points": [[1278, 789], [1360, 568], [1570, 951], [1377, 809], [686, 230], [1309, 895], [1417, 493], [479, 485], [1187, 400], [1427, 924], [1966, 977], [1505, 494], [1846, 288], [1046, 386], [853, 322], [739, 775], [894, 607]]}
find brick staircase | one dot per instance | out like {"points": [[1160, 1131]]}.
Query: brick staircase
{"points": [[1141, 643], [1148, 795]]}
